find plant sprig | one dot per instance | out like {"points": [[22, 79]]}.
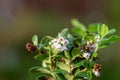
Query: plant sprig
{"points": [[71, 56]]}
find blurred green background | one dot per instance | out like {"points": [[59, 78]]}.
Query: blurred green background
{"points": [[21, 19]]}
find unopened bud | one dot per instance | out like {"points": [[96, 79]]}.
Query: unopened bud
{"points": [[30, 47]]}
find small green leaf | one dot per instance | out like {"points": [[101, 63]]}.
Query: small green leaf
{"points": [[79, 32], [42, 71], [111, 31], [59, 71], [35, 40], [41, 56], [70, 37], [91, 64], [75, 53], [78, 25], [33, 69], [61, 77], [63, 66], [106, 42], [104, 45], [81, 63], [111, 39], [77, 42], [102, 30], [95, 55], [64, 32], [92, 28], [67, 55], [82, 74], [89, 75], [45, 40]]}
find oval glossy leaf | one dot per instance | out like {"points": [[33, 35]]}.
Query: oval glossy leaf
{"points": [[78, 25], [35, 40], [102, 30], [64, 32], [63, 66], [111, 31], [81, 63], [92, 28], [41, 56]]}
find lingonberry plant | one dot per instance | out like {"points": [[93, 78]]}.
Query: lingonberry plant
{"points": [[71, 56]]}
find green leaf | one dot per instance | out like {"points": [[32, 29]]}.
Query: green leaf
{"points": [[35, 40], [92, 28], [91, 64], [102, 30], [104, 45], [61, 77], [77, 42], [46, 63], [42, 71], [111, 39], [64, 32], [89, 75], [67, 54], [41, 56], [78, 25], [106, 42], [81, 63], [82, 74], [45, 40], [111, 31], [95, 55], [33, 69], [60, 74], [63, 66], [59, 71], [79, 32], [70, 37], [75, 53]]}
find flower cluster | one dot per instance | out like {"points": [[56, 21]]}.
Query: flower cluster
{"points": [[59, 43], [88, 48], [71, 56]]}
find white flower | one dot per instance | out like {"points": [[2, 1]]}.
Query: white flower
{"points": [[59, 43], [60, 39], [65, 42], [96, 72], [63, 48], [56, 45], [90, 46], [86, 55], [54, 41], [93, 47]]}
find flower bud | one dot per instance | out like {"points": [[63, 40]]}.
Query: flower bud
{"points": [[96, 70], [30, 47]]}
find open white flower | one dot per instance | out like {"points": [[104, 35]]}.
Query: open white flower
{"points": [[86, 55], [93, 48], [96, 72], [59, 43]]}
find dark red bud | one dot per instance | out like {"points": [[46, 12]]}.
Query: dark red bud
{"points": [[30, 47], [97, 67]]}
